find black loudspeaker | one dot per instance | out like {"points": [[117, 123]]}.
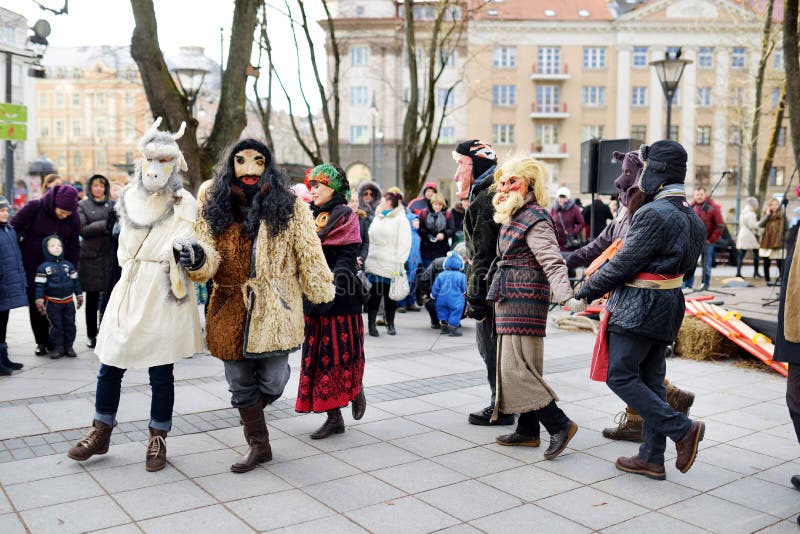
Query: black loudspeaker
{"points": [[608, 169], [589, 166]]}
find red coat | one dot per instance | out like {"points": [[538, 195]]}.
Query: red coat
{"points": [[711, 215]]}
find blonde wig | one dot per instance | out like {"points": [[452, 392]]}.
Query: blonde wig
{"points": [[532, 170]]}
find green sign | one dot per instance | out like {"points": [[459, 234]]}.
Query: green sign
{"points": [[13, 113], [13, 131]]}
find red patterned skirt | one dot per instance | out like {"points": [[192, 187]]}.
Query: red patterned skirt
{"points": [[332, 364]]}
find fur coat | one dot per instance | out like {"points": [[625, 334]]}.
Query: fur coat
{"points": [[287, 267], [151, 318]]}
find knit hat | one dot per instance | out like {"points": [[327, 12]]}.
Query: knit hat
{"points": [[429, 185], [4, 203], [66, 197], [482, 154], [331, 175], [665, 163]]}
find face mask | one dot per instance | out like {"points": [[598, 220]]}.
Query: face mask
{"points": [[156, 173]]}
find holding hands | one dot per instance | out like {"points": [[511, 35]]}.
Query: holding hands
{"points": [[189, 253]]}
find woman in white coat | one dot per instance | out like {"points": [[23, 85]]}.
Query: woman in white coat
{"points": [[748, 236], [389, 245]]}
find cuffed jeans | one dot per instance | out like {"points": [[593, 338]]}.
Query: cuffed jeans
{"points": [[250, 380], [636, 369], [162, 387], [487, 347], [707, 261]]}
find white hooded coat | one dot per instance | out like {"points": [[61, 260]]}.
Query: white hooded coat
{"points": [[747, 237]]}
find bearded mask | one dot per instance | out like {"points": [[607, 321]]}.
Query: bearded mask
{"points": [[510, 197], [249, 166], [162, 159]]}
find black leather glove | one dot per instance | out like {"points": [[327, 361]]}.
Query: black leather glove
{"points": [[191, 256], [479, 312]]}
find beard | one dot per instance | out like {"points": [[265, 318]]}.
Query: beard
{"points": [[506, 205]]}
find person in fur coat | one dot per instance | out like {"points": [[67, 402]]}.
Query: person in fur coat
{"points": [[151, 320], [332, 364], [259, 243]]}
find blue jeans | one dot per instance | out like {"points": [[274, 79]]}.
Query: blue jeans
{"points": [[707, 261], [250, 380], [162, 387], [636, 370]]}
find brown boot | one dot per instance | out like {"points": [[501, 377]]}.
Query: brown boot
{"points": [[156, 458], [629, 426], [334, 424], [680, 400], [687, 446], [257, 436], [637, 466], [96, 442]]}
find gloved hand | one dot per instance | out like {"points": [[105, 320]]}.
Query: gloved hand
{"points": [[576, 305], [477, 311], [80, 301], [190, 254], [40, 306]]}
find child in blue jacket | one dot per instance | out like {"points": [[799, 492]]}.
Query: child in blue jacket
{"points": [[448, 291], [12, 283], [56, 282]]}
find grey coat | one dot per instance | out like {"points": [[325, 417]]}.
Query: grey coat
{"points": [[94, 265]]}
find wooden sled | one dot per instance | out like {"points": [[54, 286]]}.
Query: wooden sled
{"points": [[730, 325]]}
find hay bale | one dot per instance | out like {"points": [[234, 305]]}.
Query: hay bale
{"points": [[698, 341], [575, 323]]}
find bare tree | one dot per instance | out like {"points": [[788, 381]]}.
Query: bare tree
{"points": [[792, 67], [264, 108], [166, 100], [773, 143], [423, 121]]}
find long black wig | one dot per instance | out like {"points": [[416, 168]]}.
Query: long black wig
{"points": [[273, 203]]}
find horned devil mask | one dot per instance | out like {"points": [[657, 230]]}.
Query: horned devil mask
{"points": [[162, 159]]}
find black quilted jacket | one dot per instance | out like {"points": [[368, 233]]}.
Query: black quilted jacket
{"points": [[665, 237], [480, 235]]}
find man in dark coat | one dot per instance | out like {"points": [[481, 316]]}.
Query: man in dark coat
{"points": [[55, 213], [475, 173], [647, 307]]}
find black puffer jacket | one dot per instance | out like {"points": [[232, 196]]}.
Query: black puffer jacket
{"points": [[665, 237], [93, 265], [480, 236]]}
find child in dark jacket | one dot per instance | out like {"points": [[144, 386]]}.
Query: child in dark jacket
{"points": [[12, 283], [448, 291], [56, 282]]}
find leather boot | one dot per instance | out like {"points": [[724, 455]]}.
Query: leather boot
{"points": [[372, 327], [359, 405], [679, 400], [637, 466], [5, 362], [687, 446], [334, 424], [257, 435], [559, 441], [95, 442], [390, 322], [629, 427], [156, 457]]}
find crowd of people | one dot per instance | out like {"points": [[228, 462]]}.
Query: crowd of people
{"points": [[295, 268]]}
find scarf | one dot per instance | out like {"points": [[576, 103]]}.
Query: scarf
{"points": [[335, 222], [791, 326], [436, 222]]}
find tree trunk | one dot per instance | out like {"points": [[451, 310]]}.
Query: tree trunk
{"points": [[773, 143], [766, 49], [409, 162], [792, 66]]}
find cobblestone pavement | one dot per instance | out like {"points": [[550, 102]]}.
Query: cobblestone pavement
{"points": [[413, 464]]}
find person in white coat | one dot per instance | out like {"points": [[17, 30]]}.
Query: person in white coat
{"points": [[151, 320], [389, 245], [748, 236]]}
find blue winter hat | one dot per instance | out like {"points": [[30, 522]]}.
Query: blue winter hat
{"points": [[453, 261], [4, 203]]}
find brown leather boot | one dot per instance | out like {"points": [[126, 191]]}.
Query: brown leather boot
{"points": [[334, 424], [359, 405], [687, 446], [96, 442], [156, 458], [257, 436], [629, 426], [637, 466], [680, 400]]}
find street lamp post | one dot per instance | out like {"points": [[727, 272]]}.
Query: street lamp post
{"points": [[190, 70], [669, 71], [373, 111]]}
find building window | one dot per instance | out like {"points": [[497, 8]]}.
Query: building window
{"points": [[100, 159], [546, 134], [594, 58], [703, 99], [128, 129], [449, 58], [504, 95], [446, 98], [44, 128], [61, 160], [59, 129], [503, 134], [673, 132], [127, 100], [639, 132], [76, 160], [548, 60], [44, 100], [76, 100], [359, 96], [358, 133], [592, 131], [737, 97], [593, 96], [734, 136], [738, 58], [100, 129], [359, 56], [639, 96], [99, 100], [77, 128], [59, 100], [505, 57], [782, 136], [778, 59], [702, 175], [776, 96], [548, 98], [703, 135], [640, 57], [447, 135], [705, 58], [776, 175]]}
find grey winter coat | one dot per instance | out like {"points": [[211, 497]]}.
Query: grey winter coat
{"points": [[94, 265]]}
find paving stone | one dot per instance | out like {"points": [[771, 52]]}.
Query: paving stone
{"points": [[736, 459], [50, 491], [591, 508], [780, 501], [430, 444], [311, 470], [10, 524], [707, 511], [282, 509], [352, 438], [581, 467], [204, 463], [390, 429], [530, 483], [419, 476], [375, 456], [37, 469], [231, 486], [469, 500], [350, 493], [72, 516], [329, 525], [653, 523], [150, 502], [406, 515], [134, 476], [644, 492], [527, 516], [211, 519]]}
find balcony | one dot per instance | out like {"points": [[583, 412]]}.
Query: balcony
{"points": [[552, 151], [547, 72], [549, 111]]}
